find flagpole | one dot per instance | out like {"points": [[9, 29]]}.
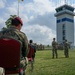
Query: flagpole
{"points": [[18, 9]]}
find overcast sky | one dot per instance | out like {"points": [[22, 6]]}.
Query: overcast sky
{"points": [[37, 15]]}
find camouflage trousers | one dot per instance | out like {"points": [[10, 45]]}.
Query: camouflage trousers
{"points": [[23, 63], [66, 52], [54, 53]]}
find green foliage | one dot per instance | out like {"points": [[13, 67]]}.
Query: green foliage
{"points": [[45, 65], [8, 22], [3, 28]]}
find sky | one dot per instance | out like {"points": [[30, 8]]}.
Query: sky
{"points": [[39, 22]]}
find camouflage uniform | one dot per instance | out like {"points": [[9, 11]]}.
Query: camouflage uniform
{"points": [[33, 46], [54, 49], [13, 32], [66, 47]]}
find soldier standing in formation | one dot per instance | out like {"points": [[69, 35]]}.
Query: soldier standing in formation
{"points": [[54, 48], [66, 47]]}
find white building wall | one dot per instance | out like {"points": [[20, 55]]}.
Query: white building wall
{"points": [[69, 27], [59, 33], [70, 32]]}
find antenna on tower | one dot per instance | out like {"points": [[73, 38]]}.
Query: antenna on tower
{"points": [[65, 1]]}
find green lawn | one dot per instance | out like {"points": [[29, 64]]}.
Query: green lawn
{"points": [[45, 65]]}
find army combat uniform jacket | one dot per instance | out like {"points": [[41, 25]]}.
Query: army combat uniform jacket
{"points": [[13, 32], [54, 44], [54, 49]]}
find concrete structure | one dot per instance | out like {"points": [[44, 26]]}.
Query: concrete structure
{"points": [[65, 24]]}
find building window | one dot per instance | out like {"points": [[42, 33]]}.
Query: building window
{"points": [[58, 21], [63, 32], [63, 38], [63, 27], [67, 19]]}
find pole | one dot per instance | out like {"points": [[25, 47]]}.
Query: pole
{"points": [[18, 9], [65, 1]]}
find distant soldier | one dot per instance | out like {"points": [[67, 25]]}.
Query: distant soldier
{"points": [[54, 48], [66, 47], [34, 47]]}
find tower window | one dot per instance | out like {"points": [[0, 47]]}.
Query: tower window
{"points": [[63, 32], [63, 26], [58, 21], [63, 37], [67, 19]]}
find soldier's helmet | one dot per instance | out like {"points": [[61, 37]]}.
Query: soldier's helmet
{"points": [[53, 38], [31, 41], [65, 40], [19, 19]]}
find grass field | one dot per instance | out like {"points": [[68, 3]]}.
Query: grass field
{"points": [[45, 65]]}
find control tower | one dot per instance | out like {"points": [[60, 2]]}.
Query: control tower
{"points": [[65, 24]]}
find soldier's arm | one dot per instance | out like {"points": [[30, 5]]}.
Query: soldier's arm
{"points": [[26, 45], [25, 49], [52, 43], [68, 45], [56, 45]]}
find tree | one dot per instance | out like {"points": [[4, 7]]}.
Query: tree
{"points": [[3, 28], [8, 22]]}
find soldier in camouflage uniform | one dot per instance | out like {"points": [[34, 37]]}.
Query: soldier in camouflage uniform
{"points": [[54, 48], [33, 46], [66, 47], [14, 32]]}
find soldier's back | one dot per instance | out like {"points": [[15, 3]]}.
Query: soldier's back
{"points": [[11, 32], [54, 44], [66, 44]]}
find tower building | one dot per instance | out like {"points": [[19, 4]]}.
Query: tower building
{"points": [[65, 24]]}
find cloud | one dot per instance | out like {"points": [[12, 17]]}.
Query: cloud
{"points": [[39, 10], [2, 23], [48, 20], [2, 3], [39, 34], [38, 18], [39, 7], [12, 9]]}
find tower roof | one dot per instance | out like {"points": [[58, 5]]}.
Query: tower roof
{"points": [[65, 9], [68, 7]]}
